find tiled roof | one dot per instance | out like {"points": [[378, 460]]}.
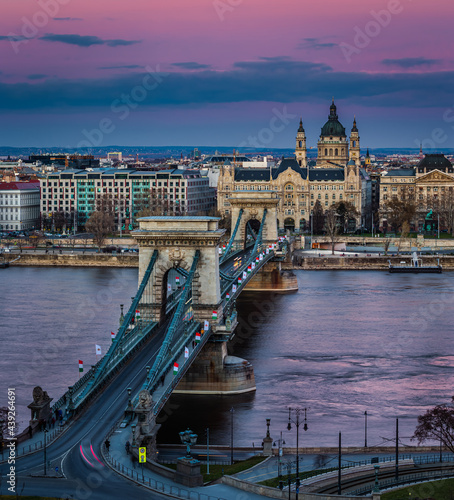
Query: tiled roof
{"points": [[15, 186], [252, 174]]}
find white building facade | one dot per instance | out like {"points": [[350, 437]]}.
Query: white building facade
{"points": [[19, 205]]}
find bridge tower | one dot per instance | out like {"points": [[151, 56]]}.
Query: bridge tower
{"points": [[177, 239], [250, 206]]}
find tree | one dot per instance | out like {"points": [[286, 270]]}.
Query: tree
{"points": [[437, 424], [345, 211], [317, 218], [401, 208], [331, 226], [100, 224], [403, 236], [386, 244]]}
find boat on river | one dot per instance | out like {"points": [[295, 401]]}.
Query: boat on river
{"points": [[415, 266]]}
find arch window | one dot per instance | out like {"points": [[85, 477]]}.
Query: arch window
{"points": [[331, 151], [289, 187], [326, 152], [300, 144], [336, 152]]}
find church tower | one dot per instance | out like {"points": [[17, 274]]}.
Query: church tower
{"points": [[332, 145], [367, 160], [301, 150], [354, 144]]}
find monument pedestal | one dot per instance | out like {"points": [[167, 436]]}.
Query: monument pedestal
{"points": [[267, 447], [188, 472]]}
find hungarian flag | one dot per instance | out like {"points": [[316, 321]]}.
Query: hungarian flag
{"points": [[256, 259], [197, 338], [81, 366], [137, 314], [249, 270], [233, 288], [175, 368], [186, 352], [177, 280], [227, 296], [206, 325], [239, 280], [98, 350], [215, 315], [112, 335]]}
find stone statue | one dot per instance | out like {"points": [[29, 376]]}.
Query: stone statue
{"points": [[145, 399]]}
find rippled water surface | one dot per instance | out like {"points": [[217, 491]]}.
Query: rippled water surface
{"points": [[346, 343]]}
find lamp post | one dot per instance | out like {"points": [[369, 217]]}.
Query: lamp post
{"points": [[129, 398], [365, 429], [312, 226], [45, 452], [280, 442], [297, 422], [376, 485], [208, 450], [188, 438], [232, 411]]}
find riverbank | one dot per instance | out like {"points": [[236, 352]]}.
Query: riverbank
{"points": [[75, 260], [361, 262]]}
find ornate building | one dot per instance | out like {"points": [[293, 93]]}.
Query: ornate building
{"points": [[336, 177], [430, 186]]}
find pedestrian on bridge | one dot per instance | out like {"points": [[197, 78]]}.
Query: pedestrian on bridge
{"points": [[107, 445], [127, 447]]}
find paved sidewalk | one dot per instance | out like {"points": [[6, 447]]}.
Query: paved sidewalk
{"points": [[123, 463]]}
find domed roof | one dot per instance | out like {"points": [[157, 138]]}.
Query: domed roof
{"points": [[333, 125], [435, 161]]}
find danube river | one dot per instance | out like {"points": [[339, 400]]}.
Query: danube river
{"points": [[346, 343]]}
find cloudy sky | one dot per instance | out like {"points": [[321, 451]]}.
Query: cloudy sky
{"points": [[224, 72]]}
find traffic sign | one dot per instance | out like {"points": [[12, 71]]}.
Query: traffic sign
{"points": [[142, 455]]}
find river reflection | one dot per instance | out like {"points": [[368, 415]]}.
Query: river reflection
{"points": [[346, 343]]}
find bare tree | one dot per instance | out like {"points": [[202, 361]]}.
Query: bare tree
{"points": [[386, 244], [100, 224], [437, 424], [331, 226], [3, 425], [401, 208], [403, 236]]}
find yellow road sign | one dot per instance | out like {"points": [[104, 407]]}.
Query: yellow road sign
{"points": [[142, 455]]}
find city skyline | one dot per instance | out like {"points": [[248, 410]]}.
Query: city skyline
{"points": [[221, 72]]}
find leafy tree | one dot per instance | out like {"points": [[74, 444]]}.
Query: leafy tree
{"points": [[100, 224], [318, 218], [345, 211], [437, 424]]}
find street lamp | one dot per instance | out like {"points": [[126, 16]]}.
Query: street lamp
{"points": [[280, 443], [297, 422], [312, 226], [232, 411], [188, 437], [365, 429], [45, 452]]}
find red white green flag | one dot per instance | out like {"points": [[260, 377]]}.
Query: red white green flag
{"points": [[175, 368], [215, 315], [239, 280], [197, 338], [249, 270], [227, 296], [112, 335], [81, 366], [137, 313], [177, 280]]}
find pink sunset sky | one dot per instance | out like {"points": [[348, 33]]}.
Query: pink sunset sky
{"points": [[215, 72]]}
